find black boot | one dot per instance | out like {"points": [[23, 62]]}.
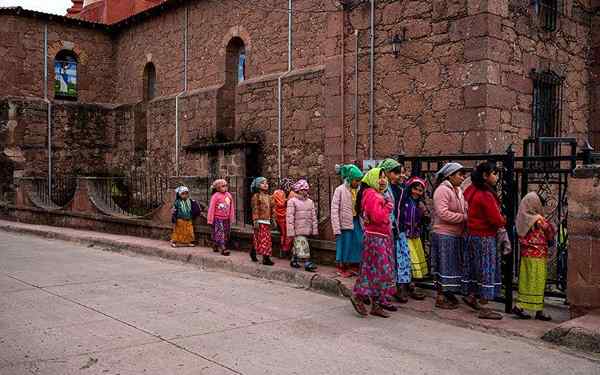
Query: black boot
{"points": [[253, 255], [267, 260]]}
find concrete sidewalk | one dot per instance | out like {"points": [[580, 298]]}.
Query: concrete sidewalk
{"points": [[324, 281]]}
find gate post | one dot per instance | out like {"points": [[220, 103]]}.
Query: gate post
{"points": [[509, 199]]}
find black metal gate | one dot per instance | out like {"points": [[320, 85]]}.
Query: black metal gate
{"points": [[544, 167]]}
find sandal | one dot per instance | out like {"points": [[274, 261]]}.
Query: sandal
{"points": [[472, 303], [173, 244], [377, 310], [418, 296], [543, 317], [400, 297], [225, 252], [450, 297], [388, 306], [358, 305], [445, 304], [489, 315], [520, 313]]}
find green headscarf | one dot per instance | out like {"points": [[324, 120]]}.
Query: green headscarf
{"points": [[350, 172], [389, 164], [371, 178]]}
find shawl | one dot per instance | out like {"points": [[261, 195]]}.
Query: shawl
{"points": [[530, 211]]}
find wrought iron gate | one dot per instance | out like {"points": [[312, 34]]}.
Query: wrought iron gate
{"points": [[544, 167]]}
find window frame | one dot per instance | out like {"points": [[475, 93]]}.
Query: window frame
{"points": [[547, 106]]}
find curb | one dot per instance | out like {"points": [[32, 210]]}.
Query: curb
{"points": [[309, 281], [582, 333]]}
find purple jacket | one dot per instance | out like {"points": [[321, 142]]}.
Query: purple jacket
{"points": [[410, 218]]}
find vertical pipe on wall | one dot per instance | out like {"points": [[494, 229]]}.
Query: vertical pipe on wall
{"points": [[185, 62], [49, 104], [280, 93], [371, 80], [356, 96]]}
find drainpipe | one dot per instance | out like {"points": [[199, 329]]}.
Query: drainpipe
{"points": [[49, 104], [185, 62], [356, 97], [280, 93], [371, 80]]}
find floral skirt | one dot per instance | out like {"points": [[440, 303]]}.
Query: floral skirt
{"points": [[220, 232], [301, 247], [183, 232], [446, 261], [286, 242], [376, 275], [481, 268], [532, 283], [349, 245], [403, 263], [417, 258], [262, 240]]}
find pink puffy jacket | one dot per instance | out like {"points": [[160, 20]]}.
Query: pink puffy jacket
{"points": [[301, 218]]}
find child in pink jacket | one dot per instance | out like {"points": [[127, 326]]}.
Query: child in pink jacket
{"points": [[221, 213], [301, 220]]}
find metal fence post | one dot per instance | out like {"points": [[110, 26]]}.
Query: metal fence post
{"points": [[509, 195]]}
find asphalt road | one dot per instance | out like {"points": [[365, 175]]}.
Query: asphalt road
{"points": [[70, 309]]}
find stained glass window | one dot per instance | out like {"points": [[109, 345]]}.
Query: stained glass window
{"points": [[65, 75]]}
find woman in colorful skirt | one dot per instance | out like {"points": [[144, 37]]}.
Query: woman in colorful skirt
{"points": [[221, 213], [345, 221], [261, 218], [447, 239], [302, 223], [376, 277], [412, 215], [535, 234], [279, 204], [182, 213], [481, 257]]}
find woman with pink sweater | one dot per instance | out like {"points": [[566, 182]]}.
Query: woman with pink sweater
{"points": [[301, 220], [447, 240], [221, 214]]}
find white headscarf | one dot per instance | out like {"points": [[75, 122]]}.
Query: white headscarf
{"points": [[448, 169], [182, 189]]}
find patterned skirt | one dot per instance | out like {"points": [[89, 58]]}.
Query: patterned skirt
{"points": [[220, 232], [183, 233], [403, 263], [286, 242], [532, 283], [446, 261], [376, 275], [482, 268], [417, 258], [262, 240], [301, 247], [349, 245]]}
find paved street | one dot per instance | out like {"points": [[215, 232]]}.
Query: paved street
{"points": [[70, 309]]}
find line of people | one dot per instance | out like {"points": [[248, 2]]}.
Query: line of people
{"points": [[378, 220]]}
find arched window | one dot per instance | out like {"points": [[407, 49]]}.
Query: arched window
{"points": [[149, 82], [236, 61], [65, 75]]}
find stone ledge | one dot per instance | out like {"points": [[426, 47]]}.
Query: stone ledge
{"points": [[582, 333]]}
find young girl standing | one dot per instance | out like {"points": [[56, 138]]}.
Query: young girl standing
{"points": [[412, 212], [481, 259], [261, 218], [221, 213], [376, 276], [534, 234], [302, 222], [345, 221], [279, 204], [183, 211]]}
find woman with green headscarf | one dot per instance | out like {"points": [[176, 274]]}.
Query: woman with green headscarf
{"points": [[345, 221], [376, 276]]}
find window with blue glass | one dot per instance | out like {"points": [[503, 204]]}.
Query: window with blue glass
{"points": [[242, 66], [65, 75]]}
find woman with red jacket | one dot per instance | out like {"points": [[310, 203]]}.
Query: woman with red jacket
{"points": [[481, 261]]}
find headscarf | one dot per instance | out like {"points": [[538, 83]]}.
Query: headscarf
{"points": [[181, 189], [448, 169], [416, 180], [389, 164], [349, 172], [257, 181], [286, 184], [301, 184], [371, 178], [530, 211], [218, 183]]}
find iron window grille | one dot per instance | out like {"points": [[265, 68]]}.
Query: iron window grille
{"points": [[548, 11], [547, 108]]}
